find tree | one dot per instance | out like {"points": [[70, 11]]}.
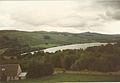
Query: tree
{"points": [[38, 70], [46, 37]]}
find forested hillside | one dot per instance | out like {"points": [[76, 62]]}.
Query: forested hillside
{"points": [[49, 39], [98, 58]]}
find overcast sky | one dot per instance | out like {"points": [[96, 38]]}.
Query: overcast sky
{"points": [[74, 16]]}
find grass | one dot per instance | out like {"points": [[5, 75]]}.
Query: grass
{"points": [[46, 45], [67, 77]]}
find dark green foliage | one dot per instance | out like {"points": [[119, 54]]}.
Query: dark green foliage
{"points": [[12, 52], [97, 58], [56, 60], [46, 37], [38, 70]]}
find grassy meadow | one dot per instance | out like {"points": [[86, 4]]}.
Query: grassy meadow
{"points": [[72, 77]]}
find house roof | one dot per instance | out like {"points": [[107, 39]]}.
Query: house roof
{"points": [[9, 69], [23, 74]]}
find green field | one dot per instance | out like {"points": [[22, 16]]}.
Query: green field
{"points": [[72, 78]]}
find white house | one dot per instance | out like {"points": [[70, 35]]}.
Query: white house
{"points": [[11, 72]]}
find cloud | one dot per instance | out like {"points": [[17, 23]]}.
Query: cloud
{"points": [[110, 3], [5, 20], [113, 14], [44, 13], [64, 16], [112, 8]]}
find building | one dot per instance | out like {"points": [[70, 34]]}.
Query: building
{"points": [[11, 72]]}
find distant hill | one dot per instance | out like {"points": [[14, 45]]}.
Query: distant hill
{"points": [[9, 38]]}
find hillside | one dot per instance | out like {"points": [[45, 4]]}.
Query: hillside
{"points": [[49, 39]]}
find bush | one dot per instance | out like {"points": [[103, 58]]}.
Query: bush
{"points": [[39, 70]]}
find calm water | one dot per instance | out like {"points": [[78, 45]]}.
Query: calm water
{"points": [[73, 46]]}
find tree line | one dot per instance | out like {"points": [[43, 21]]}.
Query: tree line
{"points": [[104, 58], [98, 58]]}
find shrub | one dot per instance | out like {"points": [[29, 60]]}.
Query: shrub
{"points": [[39, 70]]}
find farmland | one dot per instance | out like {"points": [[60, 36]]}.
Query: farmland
{"points": [[72, 77]]}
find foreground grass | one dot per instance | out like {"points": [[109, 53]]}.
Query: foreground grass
{"points": [[72, 78]]}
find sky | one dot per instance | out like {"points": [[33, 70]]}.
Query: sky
{"points": [[74, 16]]}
